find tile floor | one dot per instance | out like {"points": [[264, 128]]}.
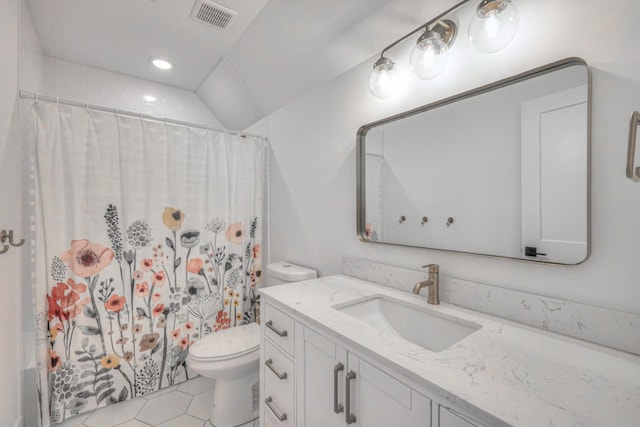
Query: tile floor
{"points": [[184, 405]]}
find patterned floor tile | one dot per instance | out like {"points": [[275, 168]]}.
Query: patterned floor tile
{"points": [[113, 415], [134, 423], [201, 405], [165, 407], [183, 421]]}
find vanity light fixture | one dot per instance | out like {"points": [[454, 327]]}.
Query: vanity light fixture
{"points": [[384, 79], [493, 26], [430, 55], [149, 98], [161, 64]]}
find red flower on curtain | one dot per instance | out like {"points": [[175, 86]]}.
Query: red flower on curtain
{"points": [[64, 301], [222, 321]]}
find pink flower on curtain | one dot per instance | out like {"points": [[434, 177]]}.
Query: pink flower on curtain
{"points": [[234, 233], [115, 303], [146, 265], [157, 310], [159, 279], [54, 362], [256, 251], [87, 259], [194, 265], [142, 290]]}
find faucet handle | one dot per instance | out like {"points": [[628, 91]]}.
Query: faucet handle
{"points": [[433, 268]]}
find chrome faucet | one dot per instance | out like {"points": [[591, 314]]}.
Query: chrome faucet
{"points": [[433, 282]]}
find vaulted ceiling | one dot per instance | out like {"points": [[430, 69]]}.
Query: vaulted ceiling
{"points": [[275, 50]]}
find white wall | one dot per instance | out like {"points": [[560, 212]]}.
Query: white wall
{"points": [[10, 217], [313, 192]]}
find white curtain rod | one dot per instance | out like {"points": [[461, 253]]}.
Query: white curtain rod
{"points": [[30, 95]]}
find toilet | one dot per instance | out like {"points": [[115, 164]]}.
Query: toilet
{"points": [[231, 358]]}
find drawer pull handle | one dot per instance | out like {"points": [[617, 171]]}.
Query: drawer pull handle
{"points": [[269, 325], [280, 417], [281, 375], [337, 407], [348, 416]]}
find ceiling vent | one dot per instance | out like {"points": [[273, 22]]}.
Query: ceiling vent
{"points": [[213, 14]]}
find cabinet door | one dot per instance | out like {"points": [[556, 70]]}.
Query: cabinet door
{"points": [[383, 401], [322, 362]]}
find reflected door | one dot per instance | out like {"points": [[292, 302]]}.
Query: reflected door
{"points": [[554, 176]]}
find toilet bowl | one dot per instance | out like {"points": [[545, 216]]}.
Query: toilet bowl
{"points": [[231, 358]]}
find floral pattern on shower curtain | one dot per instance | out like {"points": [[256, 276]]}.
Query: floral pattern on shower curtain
{"points": [[150, 234]]}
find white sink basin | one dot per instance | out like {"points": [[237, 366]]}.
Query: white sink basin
{"points": [[426, 328]]}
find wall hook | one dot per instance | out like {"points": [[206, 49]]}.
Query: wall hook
{"points": [[449, 221], [5, 249], [8, 235], [424, 220], [402, 219]]}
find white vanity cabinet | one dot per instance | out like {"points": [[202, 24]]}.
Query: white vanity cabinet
{"points": [[333, 387], [277, 369], [337, 388]]}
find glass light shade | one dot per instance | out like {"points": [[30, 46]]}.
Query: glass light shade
{"points": [[430, 56], [493, 26], [384, 79]]}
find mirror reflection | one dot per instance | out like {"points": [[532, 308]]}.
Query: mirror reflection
{"points": [[500, 171]]}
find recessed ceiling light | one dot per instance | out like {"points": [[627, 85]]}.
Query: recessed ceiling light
{"points": [[162, 64], [149, 98]]}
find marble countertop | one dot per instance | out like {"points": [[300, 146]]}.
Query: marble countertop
{"points": [[502, 374]]}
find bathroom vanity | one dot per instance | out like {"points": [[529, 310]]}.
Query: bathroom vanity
{"points": [[341, 351]]}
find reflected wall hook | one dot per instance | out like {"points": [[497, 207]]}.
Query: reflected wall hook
{"points": [[424, 220], [402, 219], [449, 221]]}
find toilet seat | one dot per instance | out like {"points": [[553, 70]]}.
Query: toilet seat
{"points": [[227, 344]]}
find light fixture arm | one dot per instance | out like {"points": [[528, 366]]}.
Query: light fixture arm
{"points": [[425, 26]]}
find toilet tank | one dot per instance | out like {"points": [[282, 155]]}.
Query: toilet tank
{"points": [[286, 272]]}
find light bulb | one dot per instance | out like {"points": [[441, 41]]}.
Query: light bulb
{"points": [[430, 55], [384, 79], [161, 64], [494, 25]]}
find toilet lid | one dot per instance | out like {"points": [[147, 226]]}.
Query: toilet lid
{"points": [[227, 343]]}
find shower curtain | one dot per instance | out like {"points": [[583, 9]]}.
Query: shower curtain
{"points": [[147, 239]]}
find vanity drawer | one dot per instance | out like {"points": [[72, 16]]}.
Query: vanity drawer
{"points": [[278, 385], [279, 328]]}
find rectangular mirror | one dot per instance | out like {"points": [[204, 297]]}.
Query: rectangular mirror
{"points": [[501, 170]]}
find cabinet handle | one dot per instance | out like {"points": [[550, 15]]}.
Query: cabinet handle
{"points": [[348, 416], [280, 417], [269, 325], [281, 375], [337, 407]]}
